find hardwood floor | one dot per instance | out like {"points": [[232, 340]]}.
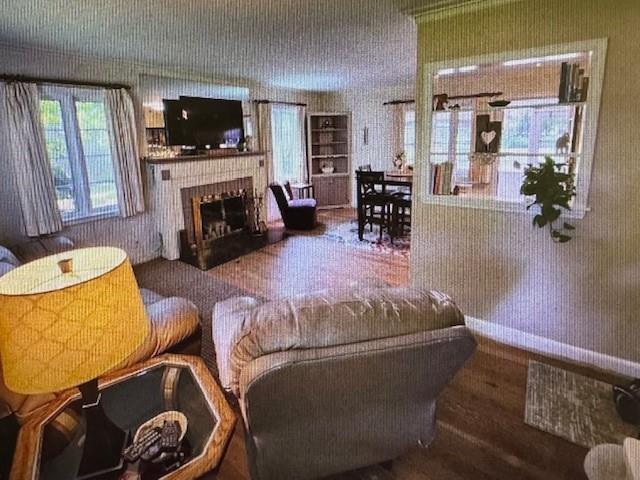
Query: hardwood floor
{"points": [[481, 433]]}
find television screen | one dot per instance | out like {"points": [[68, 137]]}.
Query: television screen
{"points": [[211, 122], [174, 124]]}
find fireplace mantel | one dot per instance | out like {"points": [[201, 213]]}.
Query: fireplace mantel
{"points": [[168, 178]]}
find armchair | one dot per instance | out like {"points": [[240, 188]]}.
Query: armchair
{"points": [[297, 214], [337, 380]]}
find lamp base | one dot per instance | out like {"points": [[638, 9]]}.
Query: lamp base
{"points": [[104, 441]]}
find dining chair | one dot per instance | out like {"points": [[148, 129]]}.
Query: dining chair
{"points": [[375, 205]]}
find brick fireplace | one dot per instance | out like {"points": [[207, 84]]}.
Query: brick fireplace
{"points": [[174, 182]]}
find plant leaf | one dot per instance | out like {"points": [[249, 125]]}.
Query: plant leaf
{"points": [[568, 226]]}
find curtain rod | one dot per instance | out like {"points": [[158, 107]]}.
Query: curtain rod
{"points": [[398, 102], [60, 81], [281, 103]]}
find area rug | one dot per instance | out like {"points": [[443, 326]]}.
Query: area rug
{"points": [[347, 233], [175, 278], [574, 407]]}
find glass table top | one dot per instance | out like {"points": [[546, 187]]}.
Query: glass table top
{"points": [[128, 403]]}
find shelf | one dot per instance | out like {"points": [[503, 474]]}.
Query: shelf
{"points": [[509, 107], [508, 154], [335, 155], [326, 175]]}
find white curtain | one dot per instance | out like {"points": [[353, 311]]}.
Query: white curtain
{"points": [[288, 146], [124, 150], [289, 156], [398, 113], [30, 161], [265, 145]]}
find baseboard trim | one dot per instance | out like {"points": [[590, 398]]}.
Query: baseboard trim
{"points": [[534, 343]]}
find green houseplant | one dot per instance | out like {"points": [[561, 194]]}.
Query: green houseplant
{"points": [[552, 190]]}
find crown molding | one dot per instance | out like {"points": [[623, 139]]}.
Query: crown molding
{"points": [[448, 8]]}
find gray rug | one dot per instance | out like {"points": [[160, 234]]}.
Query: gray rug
{"points": [[181, 280], [576, 408]]}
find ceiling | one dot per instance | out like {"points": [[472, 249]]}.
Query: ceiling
{"points": [[319, 45]]}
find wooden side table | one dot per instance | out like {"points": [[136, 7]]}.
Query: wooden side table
{"points": [[305, 190], [49, 445]]}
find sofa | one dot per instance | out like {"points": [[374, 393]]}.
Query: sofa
{"points": [[174, 321], [339, 379]]}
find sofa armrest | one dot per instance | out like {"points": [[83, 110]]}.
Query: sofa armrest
{"points": [[43, 246], [172, 320]]}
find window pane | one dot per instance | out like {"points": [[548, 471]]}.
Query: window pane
{"points": [[95, 142], [440, 132], [97, 154], [516, 130], [56, 144], [287, 144], [555, 123], [409, 136], [463, 140], [91, 115]]}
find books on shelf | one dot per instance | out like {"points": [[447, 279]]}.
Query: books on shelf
{"points": [[574, 86], [442, 178]]}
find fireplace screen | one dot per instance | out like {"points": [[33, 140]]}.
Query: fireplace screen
{"points": [[220, 215]]}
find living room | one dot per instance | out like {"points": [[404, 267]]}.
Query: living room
{"points": [[383, 160]]}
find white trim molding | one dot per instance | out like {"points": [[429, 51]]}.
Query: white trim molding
{"points": [[552, 348], [450, 8]]}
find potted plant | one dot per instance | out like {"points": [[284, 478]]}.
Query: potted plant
{"points": [[552, 190]]}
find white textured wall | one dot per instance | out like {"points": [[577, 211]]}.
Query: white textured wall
{"points": [[496, 265]]}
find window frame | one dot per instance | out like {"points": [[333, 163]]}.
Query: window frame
{"points": [[598, 49], [67, 97]]}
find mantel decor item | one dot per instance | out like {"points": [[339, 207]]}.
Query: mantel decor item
{"points": [[551, 189], [65, 320]]}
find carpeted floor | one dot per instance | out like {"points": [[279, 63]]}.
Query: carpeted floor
{"points": [[574, 407], [175, 278], [347, 233]]}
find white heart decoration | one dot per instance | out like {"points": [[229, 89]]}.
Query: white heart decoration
{"points": [[488, 137]]}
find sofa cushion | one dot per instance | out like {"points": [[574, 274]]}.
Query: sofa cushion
{"points": [[302, 203], [7, 256], [243, 332]]}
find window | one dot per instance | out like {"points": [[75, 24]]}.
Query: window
{"points": [[78, 146], [409, 134], [477, 146], [288, 149]]}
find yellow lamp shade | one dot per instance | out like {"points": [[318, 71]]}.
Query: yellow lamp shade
{"points": [[59, 330]]}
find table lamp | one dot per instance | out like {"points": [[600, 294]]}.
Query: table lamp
{"points": [[65, 320]]}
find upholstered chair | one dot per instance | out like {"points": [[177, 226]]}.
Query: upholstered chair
{"points": [[337, 380], [297, 214]]}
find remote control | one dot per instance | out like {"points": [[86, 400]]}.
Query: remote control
{"points": [[149, 438], [170, 435]]}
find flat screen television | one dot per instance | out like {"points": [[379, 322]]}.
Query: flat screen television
{"points": [[173, 123], [203, 122]]}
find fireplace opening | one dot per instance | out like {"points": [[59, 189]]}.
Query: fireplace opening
{"points": [[223, 216], [223, 221], [220, 215]]}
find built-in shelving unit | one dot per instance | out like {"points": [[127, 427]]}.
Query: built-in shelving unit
{"points": [[329, 153]]}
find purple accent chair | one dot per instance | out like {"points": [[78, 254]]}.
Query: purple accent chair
{"points": [[297, 214]]}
